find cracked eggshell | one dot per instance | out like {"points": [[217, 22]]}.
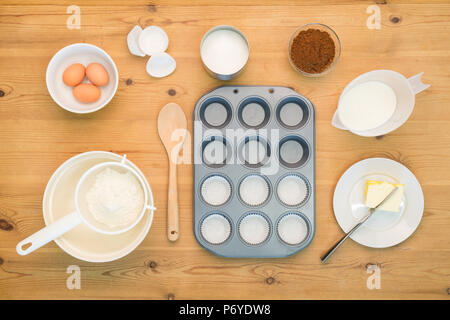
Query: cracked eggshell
{"points": [[133, 41], [153, 40], [161, 65]]}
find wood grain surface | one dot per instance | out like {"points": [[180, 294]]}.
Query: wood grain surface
{"points": [[36, 136]]}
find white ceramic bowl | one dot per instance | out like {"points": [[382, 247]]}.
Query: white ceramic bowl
{"points": [[83, 53]]}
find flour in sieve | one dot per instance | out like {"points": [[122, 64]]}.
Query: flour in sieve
{"points": [[115, 199]]}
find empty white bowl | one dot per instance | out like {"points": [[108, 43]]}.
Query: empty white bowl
{"points": [[85, 54]]}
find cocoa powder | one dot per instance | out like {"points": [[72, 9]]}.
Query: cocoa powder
{"points": [[312, 51]]}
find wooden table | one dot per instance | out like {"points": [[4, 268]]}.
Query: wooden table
{"points": [[36, 136]]}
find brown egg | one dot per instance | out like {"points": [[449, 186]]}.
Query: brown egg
{"points": [[97, 74], [74, 74], [86, 93]]}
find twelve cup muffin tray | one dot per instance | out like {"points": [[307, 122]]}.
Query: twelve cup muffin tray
{"points": [[254, 171]]}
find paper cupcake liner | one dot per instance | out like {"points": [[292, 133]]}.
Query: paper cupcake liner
{"points": [[254, 228], [215, 190], [254, 190], [293, 190], [215, 229], [292, 229]]}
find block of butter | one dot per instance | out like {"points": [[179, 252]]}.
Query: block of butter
{"points": [[376, 191]]}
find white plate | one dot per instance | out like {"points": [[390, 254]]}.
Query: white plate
{"points": [[384, 229], [81, 242]]}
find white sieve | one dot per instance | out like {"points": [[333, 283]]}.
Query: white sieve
{"points": [[82, 213]]}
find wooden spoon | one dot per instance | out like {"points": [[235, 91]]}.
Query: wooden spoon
{"points": [[172, 129]]}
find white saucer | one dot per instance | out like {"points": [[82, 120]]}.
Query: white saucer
{"points": [[81, 242], [384, 229]]}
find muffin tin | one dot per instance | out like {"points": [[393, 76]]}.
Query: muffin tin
{"points": [[254, 171]]}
